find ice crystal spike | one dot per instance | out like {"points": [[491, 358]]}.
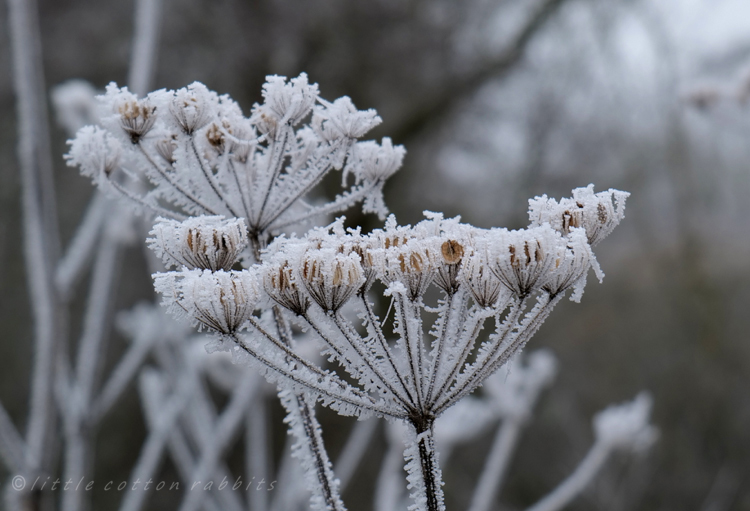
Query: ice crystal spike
{"points": [[192, 152], [205, 242], [598, 213]]}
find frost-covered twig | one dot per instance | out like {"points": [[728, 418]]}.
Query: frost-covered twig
{"points": [[513, 392], [621, 427], [41, 239], [73, 263], [153, 448], [224, 430], [11, 444], [354, 450]]}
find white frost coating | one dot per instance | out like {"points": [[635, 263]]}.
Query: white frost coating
{"points": [[598, 213], [204, 242]]}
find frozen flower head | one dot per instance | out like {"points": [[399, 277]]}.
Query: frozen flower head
{"points": [[626, 426], [331, 277], [523, 260], [192, 107], [281, 283], [341, 119], [205, 242], [96, 152], [597, 213], [288, 102], [571, 266], [137, 116], [218, 301], [192, 152]]}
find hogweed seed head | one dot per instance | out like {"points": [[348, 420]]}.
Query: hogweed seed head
{"points": [[288, 102], [96, 152], [597, 213], [192, 107], [220, 301], [523, 260], [331, 277], [205, 242], [137, 117]]}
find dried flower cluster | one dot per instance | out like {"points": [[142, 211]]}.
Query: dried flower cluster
{"points": [[226, 184], [324, 280], [191, 152]]}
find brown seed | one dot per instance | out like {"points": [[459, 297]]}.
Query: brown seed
{"points": [[452, 251]]}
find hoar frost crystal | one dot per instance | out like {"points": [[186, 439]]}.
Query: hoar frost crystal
{"points": [[226, 184]]}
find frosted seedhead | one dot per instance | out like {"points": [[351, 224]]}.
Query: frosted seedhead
{"points": [[626, 426], [137, 117], [287, 102], [331, 277], [204, 242], [571, 266], [219, 301], [485, 287], [341, 119], [597, 213], [192, 107], [523, 260], [96, 152], [281, 283], [372, 164]]}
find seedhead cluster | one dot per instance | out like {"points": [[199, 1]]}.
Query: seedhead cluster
{"points": [[226, 184]]}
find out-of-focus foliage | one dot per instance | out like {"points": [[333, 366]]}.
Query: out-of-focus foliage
{"points": [[596, 94]]}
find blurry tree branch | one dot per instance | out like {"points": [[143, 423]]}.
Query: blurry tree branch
{"points": [[460, 87]]}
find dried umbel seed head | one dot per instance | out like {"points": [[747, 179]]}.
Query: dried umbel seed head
{"points": [[215, 138], [373, 162], [485, 287], [523, 259], [598, 213], [210, 243], [341, 119], [137, 117], [96, 151], [220, 301], [289, 102], [166, 148], [452, 253], [571, 266], [331, 277], [413, 264], [192, 107], [280, 282]]}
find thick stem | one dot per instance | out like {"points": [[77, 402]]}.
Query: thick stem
{"points": [[428, 483]]}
